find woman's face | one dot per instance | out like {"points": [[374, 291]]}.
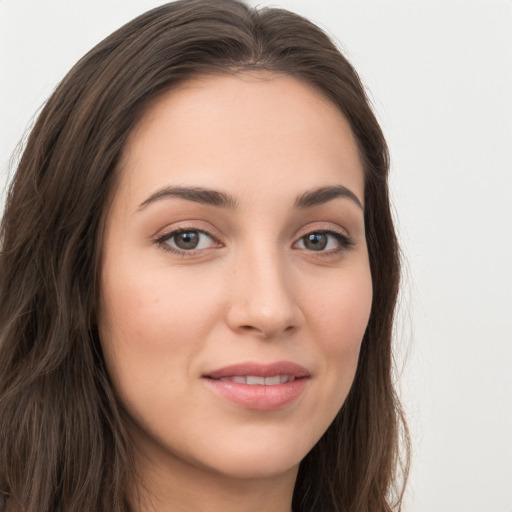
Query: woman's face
{"points": [[235, 283]]}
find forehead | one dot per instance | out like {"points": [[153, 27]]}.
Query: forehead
{"points": [[217, 130]]}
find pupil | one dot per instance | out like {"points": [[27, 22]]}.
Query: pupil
{"points": [[315, 241], [188, 240]]}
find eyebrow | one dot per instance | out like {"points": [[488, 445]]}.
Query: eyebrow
{"points": [[323, 195], [195, 194], [315, 197]]}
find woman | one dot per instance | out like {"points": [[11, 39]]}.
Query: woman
{"points": [[198, 278]]}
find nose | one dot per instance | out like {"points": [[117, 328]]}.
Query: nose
{"points": [[264, 301]]}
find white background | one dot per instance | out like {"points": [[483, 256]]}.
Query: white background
{"points": [[440, 76]]}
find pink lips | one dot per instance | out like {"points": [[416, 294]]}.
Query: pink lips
{"points": [[259, 386]]}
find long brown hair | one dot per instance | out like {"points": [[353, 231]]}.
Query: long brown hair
{"points": [[62, 442]]}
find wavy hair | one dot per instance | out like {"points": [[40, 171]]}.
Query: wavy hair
{"points": [[63, 445]]}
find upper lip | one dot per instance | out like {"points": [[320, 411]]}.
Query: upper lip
{"points": [[259, 370]]}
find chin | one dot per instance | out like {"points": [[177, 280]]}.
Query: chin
{"points": [[257, 466], [260, 456]]}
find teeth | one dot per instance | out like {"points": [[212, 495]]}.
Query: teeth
{"points": [[254, 380]]}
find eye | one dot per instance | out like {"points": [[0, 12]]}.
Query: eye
{"points": [[186, 240], [324, 241]]}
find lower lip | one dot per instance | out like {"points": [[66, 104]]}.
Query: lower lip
{"points": [[259, 397]]}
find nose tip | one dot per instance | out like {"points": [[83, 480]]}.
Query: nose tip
{"points": [[265, 304], [268, 324]]}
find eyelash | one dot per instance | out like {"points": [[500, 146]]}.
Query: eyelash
{"points": [[162, 240], [344, 242]]}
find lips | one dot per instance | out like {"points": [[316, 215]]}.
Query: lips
{"points": [[259, 386], [256, 380], [284, 368]]}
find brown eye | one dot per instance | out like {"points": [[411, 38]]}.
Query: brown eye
{"points": [[315, 241], [186, 240], [324, 241]]}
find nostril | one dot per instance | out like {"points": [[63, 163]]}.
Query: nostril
{"points": [[255, 330], [265, 321], [265, 333]]}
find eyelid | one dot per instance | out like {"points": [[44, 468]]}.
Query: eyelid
{"points": [[162, 236], [345, 241]]}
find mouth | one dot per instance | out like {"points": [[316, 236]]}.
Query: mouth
{"points": [[260, 373], [259, 386], [257, 380]]}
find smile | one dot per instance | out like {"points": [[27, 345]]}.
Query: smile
{"points": [[256, 386], [256, 380]]}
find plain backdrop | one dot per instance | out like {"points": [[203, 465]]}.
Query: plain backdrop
{"points": [[439, 74]]}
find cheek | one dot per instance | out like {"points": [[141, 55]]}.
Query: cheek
{"points": [[341, 308], [150, 335], [145, 309], [150, 330], [339, 315]]}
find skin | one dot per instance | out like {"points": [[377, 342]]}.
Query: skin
{"points": [[251, 291]]}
